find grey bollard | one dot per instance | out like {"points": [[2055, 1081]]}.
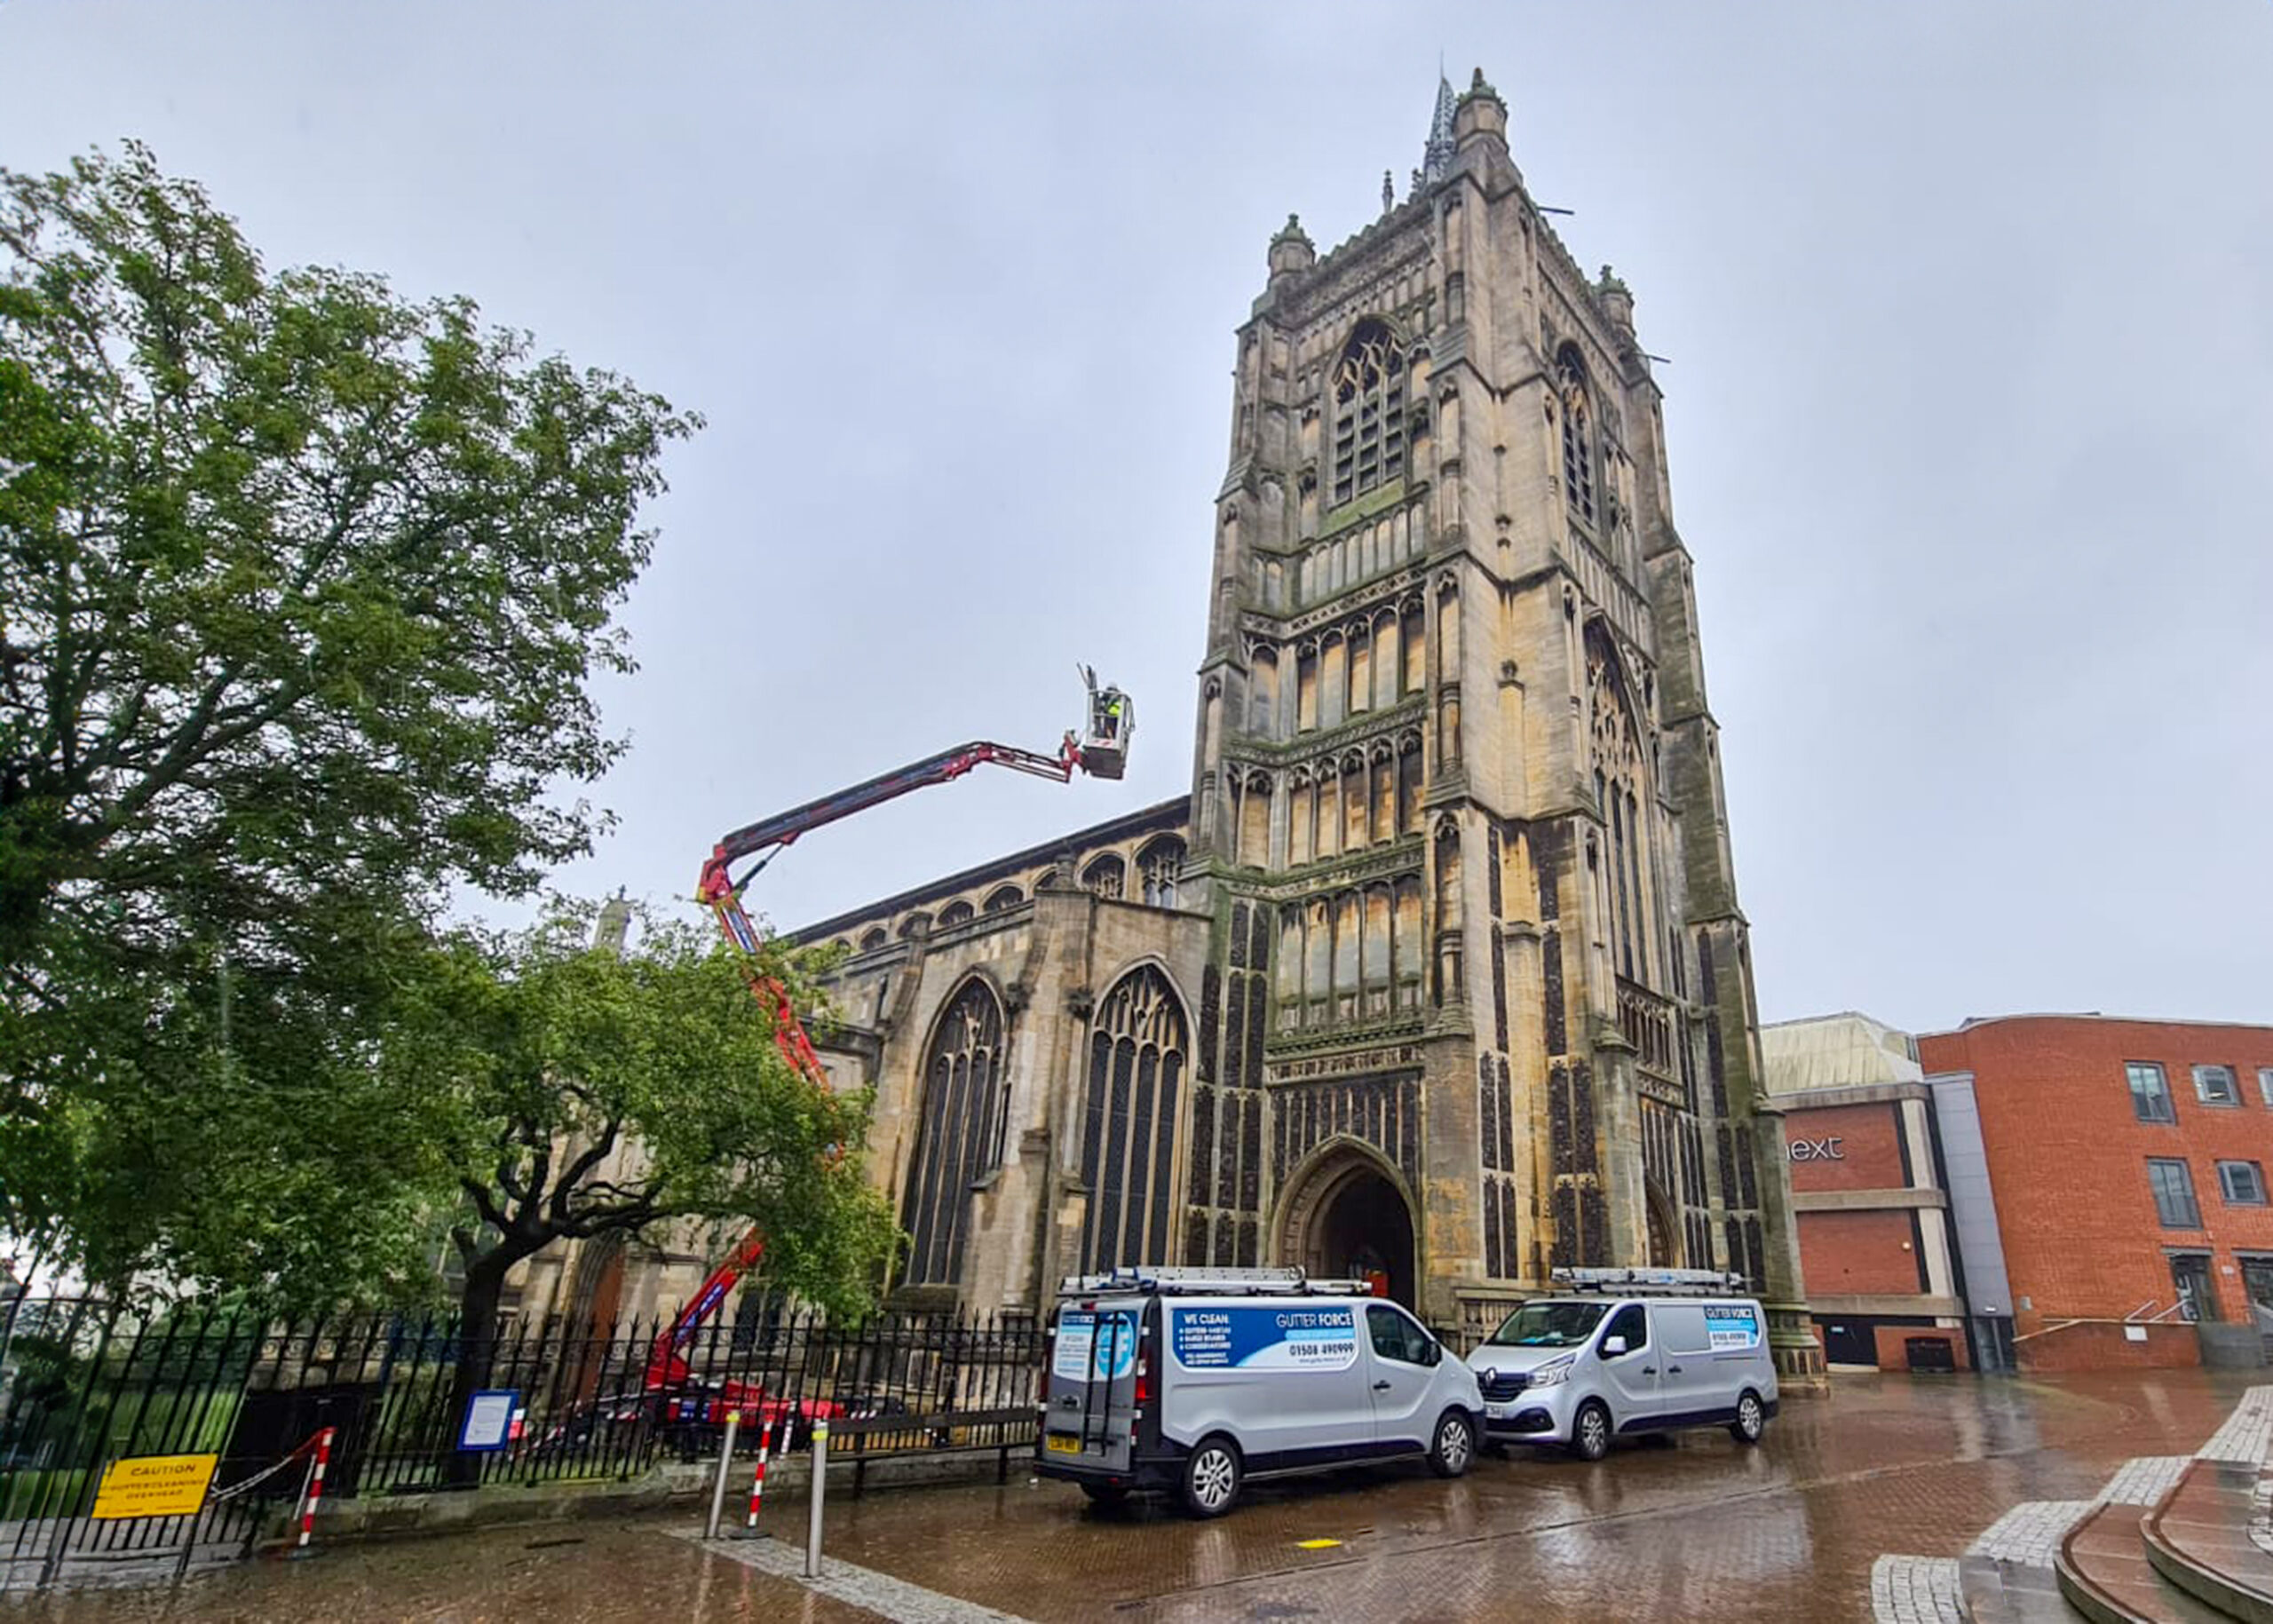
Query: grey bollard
{"points": [[726, 1464], [820, 1484]]}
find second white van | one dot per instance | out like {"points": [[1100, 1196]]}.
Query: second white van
{"points": [[1626, 1351]]}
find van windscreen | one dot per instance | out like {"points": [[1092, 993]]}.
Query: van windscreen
{"points": [[1548, 1324]]}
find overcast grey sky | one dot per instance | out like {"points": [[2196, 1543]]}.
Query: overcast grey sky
{"points": [[1971, 332]]}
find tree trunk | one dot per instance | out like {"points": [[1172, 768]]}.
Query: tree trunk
{"points": [[485, 1285]]}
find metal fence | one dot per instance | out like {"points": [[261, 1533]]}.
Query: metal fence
{"points": [[84, 1383]]}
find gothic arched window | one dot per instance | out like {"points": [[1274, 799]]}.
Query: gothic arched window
{"points": [[956, 912], [1108, 878], [1138, 1047], [1003, 898], [1577, 438], [1622, 797], [1369, 391], [1161, 865], [873, 939], [958, 1135]]}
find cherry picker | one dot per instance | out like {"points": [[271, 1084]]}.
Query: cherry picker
{"points": [[1099, 749]]}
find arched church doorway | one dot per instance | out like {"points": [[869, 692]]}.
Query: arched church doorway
{"points": [[1348, 1219], [1665, 1251]]}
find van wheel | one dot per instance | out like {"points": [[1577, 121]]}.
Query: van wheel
{"points": [[1590, 1431], [1106, 1493], [1455, 1449], [1211, 1476], [1751, 1422]]}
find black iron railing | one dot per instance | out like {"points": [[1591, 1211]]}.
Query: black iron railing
{"points": [[84, 1383]]}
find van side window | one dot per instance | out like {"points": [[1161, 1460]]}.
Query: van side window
{"points": [[1681, 1329], [1395, 1337], [1632, 1323]]}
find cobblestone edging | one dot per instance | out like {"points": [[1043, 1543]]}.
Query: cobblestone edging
{"points": [[2145, 1479], [2031, 1532], [1924, 1590], [859, 1587], [1915, 1590], [2247, 1436]]}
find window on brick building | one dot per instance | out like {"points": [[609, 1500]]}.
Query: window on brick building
{"points": [[2214, 1085], [2150, 1100], [2265, 1083], [2242, 1183], [2173, 1188]]}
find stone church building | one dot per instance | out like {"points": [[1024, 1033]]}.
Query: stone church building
{"points": [[1439, 971]]}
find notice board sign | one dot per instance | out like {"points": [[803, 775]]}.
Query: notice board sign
{"points": [[489, 1420], [154, 1485]]}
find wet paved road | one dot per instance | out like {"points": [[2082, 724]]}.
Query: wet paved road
{"points": [[1789, 1531]]}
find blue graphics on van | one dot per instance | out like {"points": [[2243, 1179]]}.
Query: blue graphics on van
{"points": [[1094, 1347], [1731, 1325], [1263, 1337]]}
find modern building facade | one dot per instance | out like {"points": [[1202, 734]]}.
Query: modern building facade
{"points": [[1439, 972], [2128, 1162], [1870, 1196]]}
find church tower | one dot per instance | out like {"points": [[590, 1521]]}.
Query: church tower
{"points": [[1478, 1000]]}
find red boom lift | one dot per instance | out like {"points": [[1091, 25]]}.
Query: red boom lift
{"points": [[1101, 751]]}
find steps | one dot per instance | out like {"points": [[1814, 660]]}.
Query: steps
{"points": [[2104, 1574], [2202, 1553]]}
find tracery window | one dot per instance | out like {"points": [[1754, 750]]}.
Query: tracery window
{"points": [[1108, 878], [1369, 395], [956, 912], [1628, 892], [1161, 865], [1138, 1048], [1003, 898], [871, 940], [959, 1135], [1577, 438]]}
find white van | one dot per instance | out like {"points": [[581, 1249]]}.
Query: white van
{"points": [[1195, 1379], [1626, 1351]]}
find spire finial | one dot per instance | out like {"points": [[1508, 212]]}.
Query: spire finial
{"points": [[1388, 193], [1436, 156]]}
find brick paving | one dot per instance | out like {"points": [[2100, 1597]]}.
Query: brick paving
{"points": [[1791, 1530]]}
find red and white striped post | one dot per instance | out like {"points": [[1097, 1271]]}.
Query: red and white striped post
{"points": [[757, 1484], [313, 1492]]}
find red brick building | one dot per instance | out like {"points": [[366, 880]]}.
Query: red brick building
{"points": [[1860, 1136], [2128, 1161]]}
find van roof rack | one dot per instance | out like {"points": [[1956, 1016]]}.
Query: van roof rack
{"points": [[1651, 1282], [1209, 1282]]}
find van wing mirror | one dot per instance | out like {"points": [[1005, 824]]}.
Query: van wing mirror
{"points": [[1613, 1346]]}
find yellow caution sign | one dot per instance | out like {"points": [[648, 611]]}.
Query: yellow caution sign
{"points": [[155, 1485]]}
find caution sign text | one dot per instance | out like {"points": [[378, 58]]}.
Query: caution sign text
{"points": [[154, 1485]]}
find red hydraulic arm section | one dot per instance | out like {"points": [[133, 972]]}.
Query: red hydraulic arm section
{"points": [[1101, 751]]}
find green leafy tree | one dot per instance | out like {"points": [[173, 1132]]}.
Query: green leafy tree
{"points": [[571, 1091], [301, 585]]}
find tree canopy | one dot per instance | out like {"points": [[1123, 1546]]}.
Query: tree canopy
{"points": [[572, 1091], [302, 583]]}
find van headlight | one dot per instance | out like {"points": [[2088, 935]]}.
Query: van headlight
{"points": [[1553, 1372]]}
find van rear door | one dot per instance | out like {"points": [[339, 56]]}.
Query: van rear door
{"points": [[1090, 1408]]}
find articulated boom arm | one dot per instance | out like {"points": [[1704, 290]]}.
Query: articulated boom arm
{"points": [[1102, 751]]}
